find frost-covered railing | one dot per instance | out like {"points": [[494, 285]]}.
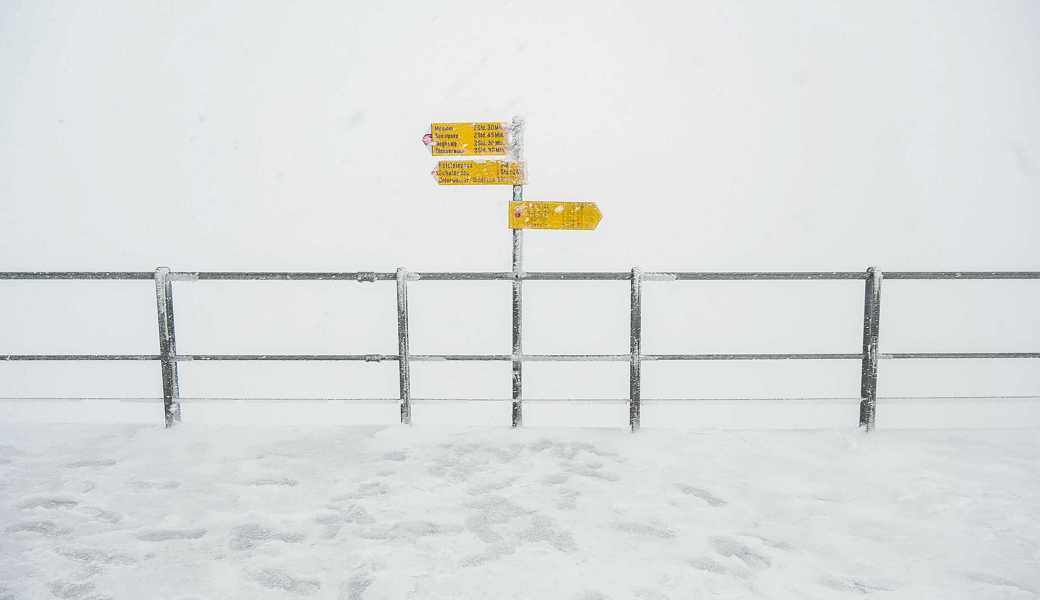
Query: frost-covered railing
{"points": [[169, 357]]}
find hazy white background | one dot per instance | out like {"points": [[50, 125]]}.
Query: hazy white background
{"points": [[714, 136]]}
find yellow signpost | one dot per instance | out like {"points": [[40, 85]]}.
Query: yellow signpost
{"points": [[503, 139], [554, 215], [469, 139], [479, 172]]}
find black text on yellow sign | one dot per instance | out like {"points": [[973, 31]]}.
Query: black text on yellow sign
{"points": [[469, 139], [554, 215], [479, 172]]}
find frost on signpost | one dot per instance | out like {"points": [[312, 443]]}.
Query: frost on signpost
{"points": [[516, 152]]}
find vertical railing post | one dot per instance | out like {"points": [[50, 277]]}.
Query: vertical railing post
{"points": [[402, 347], [869, 375], [167, 347], [636, 342]]}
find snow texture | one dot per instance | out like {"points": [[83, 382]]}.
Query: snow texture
{"points": [[92, 512]]}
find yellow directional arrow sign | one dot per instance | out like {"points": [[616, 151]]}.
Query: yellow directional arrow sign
{"points": [[554, 215], [479, 172], [469, 139]]}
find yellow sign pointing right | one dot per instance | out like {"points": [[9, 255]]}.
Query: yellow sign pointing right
{"points": [[554, 215]]}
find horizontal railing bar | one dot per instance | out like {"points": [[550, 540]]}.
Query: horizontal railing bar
{"points": [[281, 276], [506, 357], [524, 357], [462, 357], [85, 275], [576, 275], [901, 355], [17, 357], [286, 357], [347, 399], [575, 357], [757, 276], [962, 275], [767, 356], [988, 397], [506, 276], [463, 276]]}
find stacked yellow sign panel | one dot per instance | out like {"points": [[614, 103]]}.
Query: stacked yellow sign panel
{"points": [[469, 139], [479, 172]]}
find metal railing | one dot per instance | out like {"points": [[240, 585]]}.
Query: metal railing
{"points": [[169, 357]]}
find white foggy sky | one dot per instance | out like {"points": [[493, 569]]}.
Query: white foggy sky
{"points": [[714, 136]]}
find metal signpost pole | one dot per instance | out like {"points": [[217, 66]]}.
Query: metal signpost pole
{"points": [[402, 347], [518, 247], [518, 267]]}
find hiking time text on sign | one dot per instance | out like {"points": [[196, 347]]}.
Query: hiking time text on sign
{"points": [[479, 172], [469, 139]]}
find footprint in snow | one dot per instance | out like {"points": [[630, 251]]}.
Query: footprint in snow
{"points": [[729, 547], [491, 486], [709, 564], [644, 529], [247, 537], [164, 535], [83, 487], [779, 545], [648, 594], [704, 495], [543, 529], [369, 489], [44, 528], [94, 556], [277, 579], [490, 553], [336, 518], [556, 478], [80, 464], [568, 499], [98, 514], [153, 485], [276, 482], [494, 510], [354, 588], [48, 503], [854, 584], [996, 581], [592, 472], [407, 530], [91, 512], [68, 589]]}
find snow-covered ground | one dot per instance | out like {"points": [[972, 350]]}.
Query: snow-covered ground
{"points": [[204, 511]]}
